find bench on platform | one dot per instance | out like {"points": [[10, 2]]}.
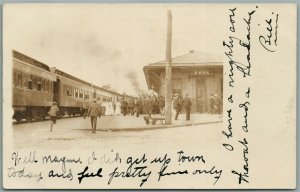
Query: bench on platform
{"points": [[153, 120]]}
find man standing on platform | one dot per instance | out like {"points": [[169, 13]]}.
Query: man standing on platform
{"points": [[177, 105], [161, 105], [131, 106], [211, 104], [187, 105], [137, 105], [84, 108], [93, 112]]}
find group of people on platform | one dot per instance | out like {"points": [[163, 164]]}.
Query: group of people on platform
{"points": [[147, 105], [215, 104]]}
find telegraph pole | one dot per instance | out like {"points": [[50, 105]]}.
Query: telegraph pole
{"points": [[168, 77]]}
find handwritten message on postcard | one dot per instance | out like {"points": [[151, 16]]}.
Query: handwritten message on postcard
{"points": [[149, 96]]}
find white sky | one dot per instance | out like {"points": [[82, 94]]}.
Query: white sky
{"points": [[104, 44]]}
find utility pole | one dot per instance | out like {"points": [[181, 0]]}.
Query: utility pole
{"points": [[168, 76]]}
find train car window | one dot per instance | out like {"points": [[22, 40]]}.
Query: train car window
{"points": [[15, 79], [24, 80], [51, 87], [76, 92], [34, 83], [39, 86], [68, 90], [19, 79], [38, 83], [29, 85], [46, 85], [43, 85]]}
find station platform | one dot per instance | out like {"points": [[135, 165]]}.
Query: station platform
{"points": [[132, 123]]}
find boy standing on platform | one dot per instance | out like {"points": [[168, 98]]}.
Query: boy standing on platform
{"points": [[53, 114]]}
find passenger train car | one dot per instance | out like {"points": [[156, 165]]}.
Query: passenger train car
{"points": [[103, 94], [70, 93], [36, 86], [32, 88]]}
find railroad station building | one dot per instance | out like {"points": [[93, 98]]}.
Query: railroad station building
{"points": [[198, 74]]}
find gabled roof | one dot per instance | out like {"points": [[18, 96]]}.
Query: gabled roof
{"points": [[193, 58]]}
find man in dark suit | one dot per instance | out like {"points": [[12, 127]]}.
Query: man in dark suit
{"points": [[137, 105], [93, 112], [177, 105], [187, 105], [131, 107], [161, 105], [149, 105], [211, 104]]}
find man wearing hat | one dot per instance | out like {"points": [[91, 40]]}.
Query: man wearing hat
{"points": [[177, 105], [93, 112], [53, 114], [187, 105]]}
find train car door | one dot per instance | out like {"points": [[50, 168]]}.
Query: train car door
{"points": [[56, 91]]}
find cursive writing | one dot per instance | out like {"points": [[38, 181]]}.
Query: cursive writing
{"points": [[182, 158], [211, 171], [245, 106], [21, 173], [243, 176], [269, 41], [85, 174], [63, 175], [63, 160]]}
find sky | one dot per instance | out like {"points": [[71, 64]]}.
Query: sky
{"points": [[110, 44]]}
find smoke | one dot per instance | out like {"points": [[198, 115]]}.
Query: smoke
{"points": [[133, 78]]}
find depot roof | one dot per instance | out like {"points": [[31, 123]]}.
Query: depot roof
{"points": [[191, 59]]}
